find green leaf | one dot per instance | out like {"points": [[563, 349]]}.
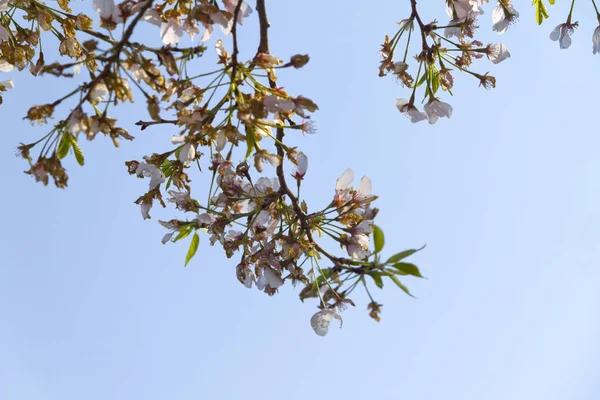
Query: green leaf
{"points": [[541, 12], [184, 232], [408, 269], [378, 238], [250, 141], [77, 151], [435, 80], [423, 78], [193, 248], [64, 146], [377, 279], [322, 279], [402, 255], [401, 285]]}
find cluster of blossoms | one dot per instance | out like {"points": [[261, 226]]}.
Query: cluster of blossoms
{"points": [[230, 122], [452, 47]]}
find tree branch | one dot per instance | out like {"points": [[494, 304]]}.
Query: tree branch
{"points": [[263, 47]]}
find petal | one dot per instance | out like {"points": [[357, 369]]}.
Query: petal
{"points": [[171, 31], [498, 14], [167, 237], [262, 282], [565, 42], [344, 180], [206, 219], [365, 186], [3, 34], [152, 16], [145, 209], [555, 34], [400, 103], [274, 280]]}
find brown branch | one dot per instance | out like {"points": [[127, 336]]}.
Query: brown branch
{"points": [[422, 27], [145, 124], [236, 13], [234, 55], [263, 47]]}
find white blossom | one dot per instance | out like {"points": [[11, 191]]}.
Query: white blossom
{"points": [[187, 153], [344, 181], [152, 16], [273, 279], [497, 53], [244, 12], [150, 171], [456, 31], [275, 104], [99, 92], [3, 5], [77, 122], [191, 28], [435, 109], [260, 156], [410, 111], [358, 246], [171, 31], [266, 185], [107, 9], [206, 219], [321, 320], [562, 33], [301, 166], [365, 187], [167, 237], [596, 40], [502, 17], [145, 209], [400, 67], [221, 52], [7, 84], [5, 66]]}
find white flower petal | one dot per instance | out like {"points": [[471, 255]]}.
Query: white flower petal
{"points": [[171, 31], [272, 278], [321, 320], [344, 180], [365, 187]]}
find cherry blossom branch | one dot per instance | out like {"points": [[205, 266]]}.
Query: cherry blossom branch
{"points": [[422, 27], [234, 55], [284, 188]]}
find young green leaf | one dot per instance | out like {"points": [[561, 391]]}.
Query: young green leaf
{"points": [[64, 146], [378, 238], [541, 12], [77, 151], [193, 248], [402, 255], [377, 279], [401, 285], [250, 141], [422, 80], [435, 79], [184, 232], [408, 269]]}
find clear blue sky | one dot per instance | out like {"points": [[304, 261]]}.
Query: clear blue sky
{"points": [[505, 194]]}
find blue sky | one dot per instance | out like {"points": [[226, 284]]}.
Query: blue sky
{"points": [[505, 195]]}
